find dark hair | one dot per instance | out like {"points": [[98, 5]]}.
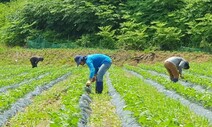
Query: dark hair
{"points": [[186, 65]]}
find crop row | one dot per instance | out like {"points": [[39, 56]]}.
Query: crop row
{"points": [[59, 105], [10, 71], [23, 77], [191, 77], [204, 69], [190, 93], [150, 107], [201, 69], [11, 95], [56, 107]]}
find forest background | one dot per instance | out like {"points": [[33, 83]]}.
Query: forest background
{"points": [[112, 24]]}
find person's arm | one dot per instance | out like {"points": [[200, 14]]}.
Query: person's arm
{"points": [[180, 71], [92, 72], [36, 61], [181, 65]]}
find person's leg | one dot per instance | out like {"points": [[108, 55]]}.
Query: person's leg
{"points": [[175, 73], [100, 74], [166, 65], [33, 63], [172, 69]]}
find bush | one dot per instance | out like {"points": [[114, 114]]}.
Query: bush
{"points": [[107, 37], [133, 36], [167, 38]]}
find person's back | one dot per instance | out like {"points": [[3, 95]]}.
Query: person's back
{"points": [[98, 59], [175, 60]]}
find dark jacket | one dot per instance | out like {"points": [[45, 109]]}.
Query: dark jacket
{"points": [[34, 60]]}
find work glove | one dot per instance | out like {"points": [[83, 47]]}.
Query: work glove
{"points": [[88, 83]]}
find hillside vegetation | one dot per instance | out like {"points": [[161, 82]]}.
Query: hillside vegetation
{"points": [[123, 24]]}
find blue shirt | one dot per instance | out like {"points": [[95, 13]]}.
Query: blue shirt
{"points": [[94, 61]]}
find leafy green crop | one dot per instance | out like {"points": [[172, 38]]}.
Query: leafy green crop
{"points": [[150, 107]]}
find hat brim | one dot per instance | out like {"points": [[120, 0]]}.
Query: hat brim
{"points": [[79, 61]]}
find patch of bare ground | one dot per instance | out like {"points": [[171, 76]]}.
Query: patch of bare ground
{"points": [[136, 57], [119, 57]]}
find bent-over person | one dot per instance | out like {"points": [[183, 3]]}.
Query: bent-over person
{"points": [[98, 65], [34, 60], [174, 66]]}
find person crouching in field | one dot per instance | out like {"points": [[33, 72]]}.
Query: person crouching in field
{"points": [[34, 60], [174, 66], [98, 65]]}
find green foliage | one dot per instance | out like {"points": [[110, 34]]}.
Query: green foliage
{"points": [[150, 10], [107, 37], [167, 38], [108, 12], [15, 33], [201, 32], [133, 36], [4, 0], [85, 41], [2, 14], [131, 20]]}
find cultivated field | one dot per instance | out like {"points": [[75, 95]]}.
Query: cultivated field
{"points": [[137, 91]]}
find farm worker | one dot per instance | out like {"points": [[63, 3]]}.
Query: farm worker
{"points": [[98, 65], [174, 66], [34, 60]]}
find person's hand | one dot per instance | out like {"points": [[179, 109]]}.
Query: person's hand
{"points": [[88, 83], [93, 79]]}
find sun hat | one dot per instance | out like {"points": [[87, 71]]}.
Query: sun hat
{"points": [[78, 59], [186, 65]]}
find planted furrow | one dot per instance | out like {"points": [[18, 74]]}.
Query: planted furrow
{"points": [[201, 69], [19, 79], [5, 88], [20, 104], [57, 107], [11, 95], [193, 106], [205, 83], [8, 71], [202, 98], [151, 107], [126, 116], [199, 88], [201, 76]]}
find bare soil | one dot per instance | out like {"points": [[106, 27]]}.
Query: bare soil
{"points": [[119, 57]]}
